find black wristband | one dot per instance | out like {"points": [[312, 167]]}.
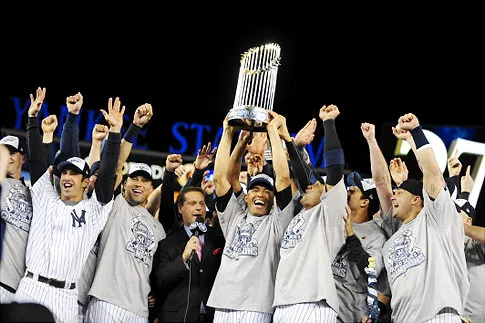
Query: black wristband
{"points": [[132, 133], [469, 210], [464, 195], [419, 138]]}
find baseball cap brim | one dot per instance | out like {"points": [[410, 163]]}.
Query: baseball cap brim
{"points": [[368, 191], [65, 164], [413, 186], [13, 150], [95, 168], [141, 173], [261, 180]]}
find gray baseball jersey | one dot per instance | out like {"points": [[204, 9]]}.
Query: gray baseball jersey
{"points": [[125, 257], [350, 282], [311, 240], [475, 260], [62, 234], [16, 211], [425, 262], [87, 275], [245, 280]]}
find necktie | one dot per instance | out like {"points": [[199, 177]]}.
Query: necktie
{"points": [[199, 250]]}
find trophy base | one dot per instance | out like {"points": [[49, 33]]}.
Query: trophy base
{"points": [[248, 117]]}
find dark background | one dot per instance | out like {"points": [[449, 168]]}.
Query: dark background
{"points": [[374, 67]]}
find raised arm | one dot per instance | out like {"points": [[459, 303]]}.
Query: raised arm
{"points": [[107, 170], [454, 168], [37, 161], [236, 159], [432, 177], [99, 133], [203, 160], [300, 163], [49, 125], [167, 216], [406, 136], [398, 170], [143, 114], [378, 164], [280, 163], [69, 145], [333, 153], [221, 163]]}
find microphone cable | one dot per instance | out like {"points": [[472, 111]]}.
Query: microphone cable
{"points": [[188, 292]]}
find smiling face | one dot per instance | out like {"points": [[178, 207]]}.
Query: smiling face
{"points": [[260, 200], [136, 189], [72, 185], [405, 205]]}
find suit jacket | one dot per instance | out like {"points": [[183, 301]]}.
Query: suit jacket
{"points": [[171, 276]]}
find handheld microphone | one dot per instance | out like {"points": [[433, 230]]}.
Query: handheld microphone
{"points": [[197, 228]]}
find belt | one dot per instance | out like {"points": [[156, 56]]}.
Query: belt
{"points": [[10, 289], [51, 281]]}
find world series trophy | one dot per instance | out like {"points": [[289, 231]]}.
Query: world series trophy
{"points": [[256, 87]]}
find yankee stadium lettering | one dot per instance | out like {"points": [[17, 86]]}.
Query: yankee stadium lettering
{"points": [[78, 220]]}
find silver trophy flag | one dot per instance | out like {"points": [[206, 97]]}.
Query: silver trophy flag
{"points": [[255, 87]]}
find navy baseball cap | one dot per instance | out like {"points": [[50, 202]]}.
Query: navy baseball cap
{"points": [[367, 187], [95, 168], [76, 163], [13, 143], [413, 186], [263, 180]]}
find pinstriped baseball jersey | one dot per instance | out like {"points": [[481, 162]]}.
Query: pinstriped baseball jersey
{"points": [[125, 256], [16, 211], [62, 234], [310, 243]]}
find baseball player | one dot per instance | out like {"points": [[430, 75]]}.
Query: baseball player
{"points": [[424, 256], [304, 287], [252, 226], [64, 228], [16, 216], [130, 238], [142, 115], [365, 239], [16, 203]]}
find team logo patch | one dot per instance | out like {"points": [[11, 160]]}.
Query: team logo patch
{"points": [[403, 254], [78, 221], [243, 244], [17, 209], [294, 232], [142, 243], [340, 264]]}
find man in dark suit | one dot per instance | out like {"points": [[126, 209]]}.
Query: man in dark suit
{"points": [[185, 282]]}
